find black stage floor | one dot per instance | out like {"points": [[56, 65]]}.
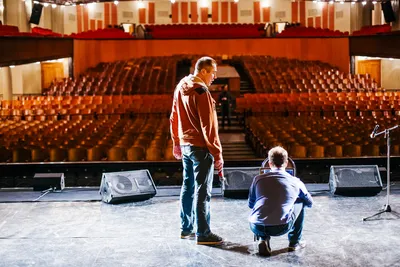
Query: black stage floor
{"points": [[74, 228]]}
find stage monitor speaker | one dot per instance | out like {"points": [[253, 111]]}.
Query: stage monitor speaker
{"points": [[356, 180], [388, 11], [238, 181], [36, 14], [45, 181], [127, 186]]}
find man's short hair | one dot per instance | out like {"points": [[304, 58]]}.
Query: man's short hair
{"points": [[278, 156], [205, 63]]}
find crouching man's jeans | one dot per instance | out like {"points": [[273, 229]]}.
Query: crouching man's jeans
{"points": [[294, 226]]}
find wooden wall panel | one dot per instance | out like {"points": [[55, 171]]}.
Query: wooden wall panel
{"points": [[224, 12], [152, 13], [79, 18], [85, 18], [107, 15], [234, 12], [204, 14], [114, 14], [295, 11], [193, 12], [99, 24], [266, 14], [325, 15], [184, 12], [88, 53], [92, 24], [256, 12], [175, 12], [142, 15], [303, 13], [331, 25], [215, 12], [310, 22], [318, 22]]}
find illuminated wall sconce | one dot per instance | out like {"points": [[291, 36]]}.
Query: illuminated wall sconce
{"points": [[364, 3], [141, 4], [172, 1], [235, 1], [264, 3], [116, 3], [203, 3]]}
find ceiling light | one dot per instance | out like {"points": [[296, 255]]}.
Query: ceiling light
{"points": [[53, 5], [235, 1], [364, 3], [172, 1], [116, 3], [46, 4]]}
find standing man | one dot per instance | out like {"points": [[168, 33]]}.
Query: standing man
{"points": [[277, 200], [194, 132], [225, 101]]}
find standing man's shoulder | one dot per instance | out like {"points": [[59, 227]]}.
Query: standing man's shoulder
{"points": [[200, 90]]}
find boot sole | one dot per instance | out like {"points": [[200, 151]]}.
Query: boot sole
{"points": [[209, 243]]}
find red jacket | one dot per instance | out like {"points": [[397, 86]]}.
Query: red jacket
{"points": [[194, 118]]}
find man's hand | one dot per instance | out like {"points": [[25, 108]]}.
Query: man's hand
{"points": [[219, 164], [177, 152]]}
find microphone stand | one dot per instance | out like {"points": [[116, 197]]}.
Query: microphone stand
{"points": [[386, 207]]}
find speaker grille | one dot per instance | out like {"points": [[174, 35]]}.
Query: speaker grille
{"points": [[362, 180], [240, 178], [129, 185], [357, 177], [123, 185]]}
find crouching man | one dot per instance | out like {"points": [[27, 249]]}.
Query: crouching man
{"points": [[277, 200]]}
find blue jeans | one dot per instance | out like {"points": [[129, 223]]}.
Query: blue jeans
{"points": [[198, 166], [294, 226]]}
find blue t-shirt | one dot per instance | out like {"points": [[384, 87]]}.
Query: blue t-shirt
{"points": [[272, 196]]}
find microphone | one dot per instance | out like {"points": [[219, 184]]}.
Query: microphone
{"points": [[372, 135]]}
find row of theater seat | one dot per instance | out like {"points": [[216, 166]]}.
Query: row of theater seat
{"points": [[102, 34], [146, 75], [301, 31], [314, 137], [114, 139], [327, 104], [372, 30], [202, 31], [282, 75], [76, 108]]}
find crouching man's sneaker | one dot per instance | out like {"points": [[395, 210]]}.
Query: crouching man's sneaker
{"points": [[187, 235], [210, 239], [297, 246], [264, 249]]}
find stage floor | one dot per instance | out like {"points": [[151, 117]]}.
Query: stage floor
{"points": [[79, 230]]}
